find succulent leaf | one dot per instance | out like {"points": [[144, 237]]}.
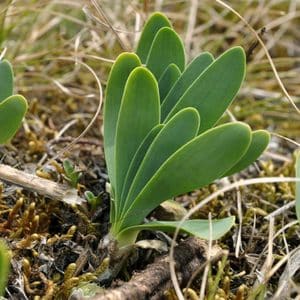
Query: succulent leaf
{"points": [[167, 80], [167, 142], [155, 22], [213, 91], [199, 228], [154, 144], [190, 74], [4, 267], [140, 94], [259, 142], [167, 48], [6, 80], [196, 164], [137, 160], [12, 111], [119, 73]]}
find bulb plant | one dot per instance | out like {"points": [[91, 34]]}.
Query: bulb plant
{"points": [[12, 107], [160, 134]]}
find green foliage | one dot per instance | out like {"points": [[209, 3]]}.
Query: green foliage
{"points": [[163, 146], [137, 160], [259, 142], [161, 54], [93, 201], [210, 95], [6, 82], [4, 266], [120, 71], [159, 134], [153, 25], [71, 174], [190, 74], [168, 79], [196, 164], [12, 107], [199, 228], [141, 90]]}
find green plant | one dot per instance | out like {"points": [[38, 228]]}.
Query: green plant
{"points": [[4, 267], [12, 107], [93, 201], [159, 134], [71, 174]]}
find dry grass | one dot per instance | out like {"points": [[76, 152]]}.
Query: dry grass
{"points": [[64, 95]]}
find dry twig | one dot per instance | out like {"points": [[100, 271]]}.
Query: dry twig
{"points": [[155, 280], [39, 185]]}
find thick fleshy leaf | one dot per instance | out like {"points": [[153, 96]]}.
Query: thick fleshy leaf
{"points": [[167, 48], [259, 142], [137, 160], [168, 141], [120, 71], [190, 74], [139, 113], [213, 91], [167, 80], [155, 22], [4, 267], [297, 166], [199, 228], [196, 164], [12, 111], [6, 80]]}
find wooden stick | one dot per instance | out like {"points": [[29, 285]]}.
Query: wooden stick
{"points": [[155, 279], [40, 185]]}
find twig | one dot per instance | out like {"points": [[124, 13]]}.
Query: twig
{"points": [[39, 185], [252, 47], [281, 210], [153, 281]]}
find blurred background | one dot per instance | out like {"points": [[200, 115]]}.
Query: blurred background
{"points": [[38, 34]]}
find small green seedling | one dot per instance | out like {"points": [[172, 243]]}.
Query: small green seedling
{"points": [[71, 174], [12, 107], [4, 267], [93, 200], [160, 138]]}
